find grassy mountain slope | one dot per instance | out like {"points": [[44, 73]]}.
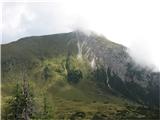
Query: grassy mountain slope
{"points": [[74, 89]]}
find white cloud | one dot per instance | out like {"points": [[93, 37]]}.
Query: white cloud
{"points": [[0, 23], [134, 24], [26, 19]]}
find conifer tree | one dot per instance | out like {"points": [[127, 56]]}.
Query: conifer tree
{"points": [[15, 108], [21, 104], [47, 109]]}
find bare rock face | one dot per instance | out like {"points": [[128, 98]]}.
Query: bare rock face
{"points": [[134, 79], [100, 50]]}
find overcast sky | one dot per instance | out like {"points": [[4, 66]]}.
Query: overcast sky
{"points": [[133, 23]]}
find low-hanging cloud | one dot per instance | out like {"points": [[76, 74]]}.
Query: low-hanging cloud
{"points": [[134, 24], [143, 53]]}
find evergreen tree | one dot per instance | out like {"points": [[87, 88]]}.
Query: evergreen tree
{"points": [[47, 109], [15, 108], [74, 74], [46, 73], [28, 97], [21, 105]]}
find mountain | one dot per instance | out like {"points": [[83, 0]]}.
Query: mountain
{"points": [[83, 73]]}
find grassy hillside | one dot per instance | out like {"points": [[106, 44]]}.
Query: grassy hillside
{"points": [[74, 90], [73, 100]]}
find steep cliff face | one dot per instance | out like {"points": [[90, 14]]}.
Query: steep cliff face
{"points": [[123, 75], [100, 50]]}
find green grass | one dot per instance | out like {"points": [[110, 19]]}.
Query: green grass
{"points": [[66, 99]]}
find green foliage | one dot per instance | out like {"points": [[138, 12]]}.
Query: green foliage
{"points": [[18, 103], [47, 113], [71, 63], [45, 59], [31, 51], [15, 109], [74, 76], [47, 73]]}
